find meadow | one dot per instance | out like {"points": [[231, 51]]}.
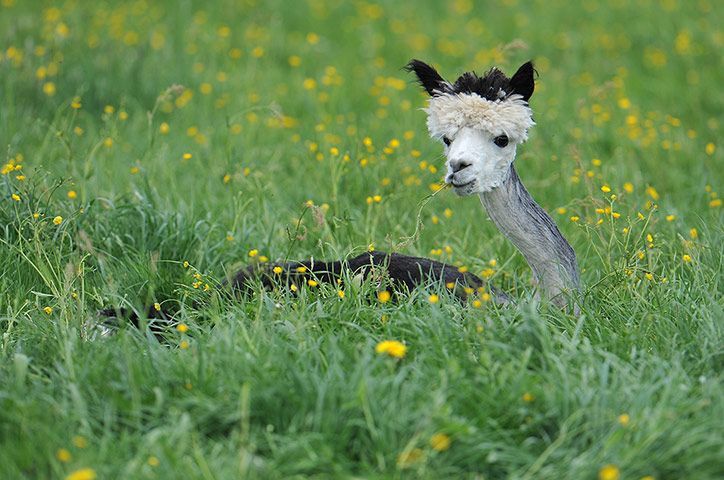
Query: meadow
{"points": [[153, 148]]}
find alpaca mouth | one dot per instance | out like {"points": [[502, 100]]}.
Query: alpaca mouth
{"points": [[462, 185]]}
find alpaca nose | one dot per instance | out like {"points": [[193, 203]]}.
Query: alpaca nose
{"points": [[458, 165], [455, 166]]}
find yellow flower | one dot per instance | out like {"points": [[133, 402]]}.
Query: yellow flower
{"points": [[109, 109], [406, 458], [76, 104], [686, 258], [651, 191], [624, 419], [605, 189], [670, 218], [181, 327], [58, 220], [384, 296], [49, 89], [48, 310], [710, 147], [253, 253], [312, 283], [340, 293], [527, 397], [16, 197], [157, 306], [628, 187], [63, 455], [184, 344], [277, 270], [574, 218], [153, 461], [609, 472], [440, 442], [108, 142], [164, 128], [392, 347], [301, 269], [79, 441], [693, 233], [433, 298], [187, 156], [82, 474]]}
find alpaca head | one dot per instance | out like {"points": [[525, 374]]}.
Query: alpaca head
{"points": [[480, 120]]}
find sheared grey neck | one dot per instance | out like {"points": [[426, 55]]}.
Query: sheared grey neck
{"points": [[536, 235]]}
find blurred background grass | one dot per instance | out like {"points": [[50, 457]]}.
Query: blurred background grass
{"points": [[158, 133]]}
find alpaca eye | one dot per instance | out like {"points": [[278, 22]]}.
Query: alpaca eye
{"points": [[447, 141], [501, 140]]}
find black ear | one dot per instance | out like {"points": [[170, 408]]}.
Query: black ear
{"points": [[428, 77], [523, 82]]}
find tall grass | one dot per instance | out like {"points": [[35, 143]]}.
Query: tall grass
{"points": [[154, 148]]}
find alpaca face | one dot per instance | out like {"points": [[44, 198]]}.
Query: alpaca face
{"points": [[477, 160], [481, 120]]}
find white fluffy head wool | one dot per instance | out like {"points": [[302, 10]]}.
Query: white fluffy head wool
{"points": [[450, 112]]}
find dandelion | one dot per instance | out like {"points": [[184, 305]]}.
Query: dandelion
{"points": [[527, 397], [384, 296], [82, 474], [392, 347], [440, 442], [624, 419], [406, 458], [651, 191], [433, 298], [609, 472], [63, 455], [49, 89], [181, 327], [79, 441]]}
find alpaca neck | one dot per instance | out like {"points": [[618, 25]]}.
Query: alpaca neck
{"points": [[536, 235]]}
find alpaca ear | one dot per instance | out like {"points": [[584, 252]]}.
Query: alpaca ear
{"points": [[523, 81], [428, 77]]}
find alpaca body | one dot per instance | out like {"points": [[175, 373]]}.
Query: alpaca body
{"points": [[404, 272]]}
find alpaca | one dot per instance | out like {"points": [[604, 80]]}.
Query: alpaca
{"points": [[480, 121]]}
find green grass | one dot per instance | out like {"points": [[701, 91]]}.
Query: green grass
{"points": [[277, 97]]}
